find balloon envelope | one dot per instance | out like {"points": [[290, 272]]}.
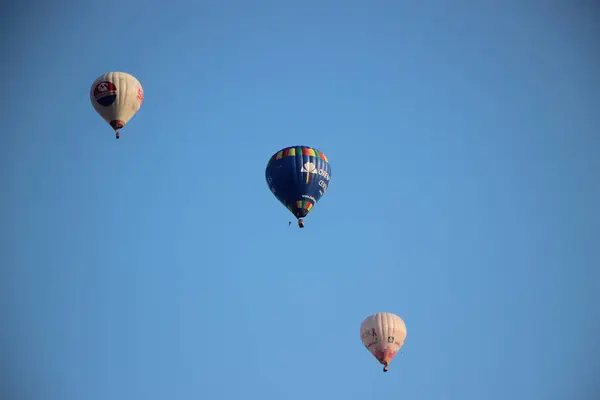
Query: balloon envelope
{"points": [[298, 176], [383, 334], [116, 96]]}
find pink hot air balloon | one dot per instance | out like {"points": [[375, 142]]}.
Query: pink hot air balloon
{"points": [[383, 334]]}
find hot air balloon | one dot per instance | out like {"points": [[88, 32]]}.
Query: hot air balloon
{"points": [[383, 334], [298, 176], [116, 96]]}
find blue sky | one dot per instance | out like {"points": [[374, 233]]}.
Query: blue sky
{"points": [[463, 143]]}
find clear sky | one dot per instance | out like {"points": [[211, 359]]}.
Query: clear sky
{"points": [[463, 141]]}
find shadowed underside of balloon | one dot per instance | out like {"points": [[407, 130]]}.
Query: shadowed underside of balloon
{"points": [[116, 125], [385, 357], [300, 209], [298, 176]]}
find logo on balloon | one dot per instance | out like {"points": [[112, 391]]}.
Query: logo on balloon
{"points": [[310, 168], [105, 93], [140, 95]]}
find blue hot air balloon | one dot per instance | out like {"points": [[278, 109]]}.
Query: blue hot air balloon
{"points": [[298, 176]]}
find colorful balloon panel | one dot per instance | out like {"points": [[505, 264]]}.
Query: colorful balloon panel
{"points": [[117, 97], [298, 176], [383, 334]]}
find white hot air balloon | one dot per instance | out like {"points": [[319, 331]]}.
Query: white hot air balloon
{"points": [[383, 334], [116, 96]]}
